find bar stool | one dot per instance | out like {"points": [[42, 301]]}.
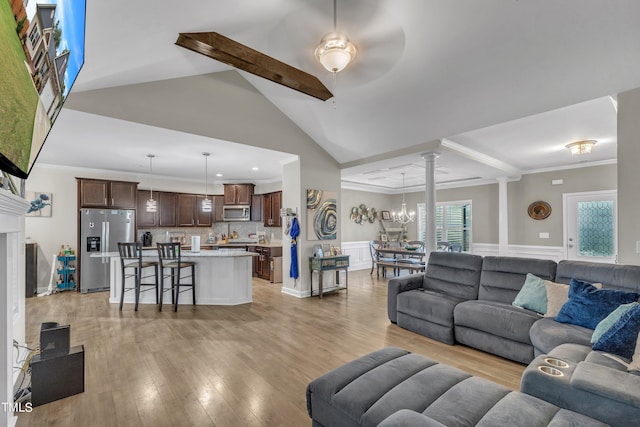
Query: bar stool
{"points": [[131, 258], [169, 255]]}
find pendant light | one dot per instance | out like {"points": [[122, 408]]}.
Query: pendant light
{"points": [[206, 202], [403, 217], [152, 205]]}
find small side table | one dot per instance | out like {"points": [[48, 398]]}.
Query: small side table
{"points": [[322, 264]]}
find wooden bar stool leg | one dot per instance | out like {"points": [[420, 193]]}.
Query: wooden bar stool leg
{"points": [[161, 289], [137, 287], [177, 288], [193, 283], [122, 291]]}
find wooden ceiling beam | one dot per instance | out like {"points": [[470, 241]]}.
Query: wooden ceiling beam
{"points": [[230, 52]]}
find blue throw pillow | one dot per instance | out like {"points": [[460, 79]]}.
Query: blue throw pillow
{"points": [[532, 295], [587, 305], [620, 339], [612, 318]]}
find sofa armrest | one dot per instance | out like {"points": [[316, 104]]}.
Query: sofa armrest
{"points": [[409, 418], [397, 286], [609, 383]]}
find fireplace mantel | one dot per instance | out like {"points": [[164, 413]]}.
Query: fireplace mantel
{"points": [[12, 309]]}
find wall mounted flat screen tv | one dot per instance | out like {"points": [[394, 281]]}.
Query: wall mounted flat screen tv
{"points": [[41, 54]]}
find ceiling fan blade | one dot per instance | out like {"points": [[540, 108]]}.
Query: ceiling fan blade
{"points": [[223, 49]]}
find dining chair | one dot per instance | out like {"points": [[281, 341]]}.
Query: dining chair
{"points": [[376, 259]]}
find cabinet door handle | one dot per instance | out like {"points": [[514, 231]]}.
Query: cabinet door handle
{"points": [[112, 201]]}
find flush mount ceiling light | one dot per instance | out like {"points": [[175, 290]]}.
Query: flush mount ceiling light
{"points": [[207, 206], [152, 205], [581, 147], [335, 51]]}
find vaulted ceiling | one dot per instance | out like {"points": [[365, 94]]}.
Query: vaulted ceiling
{"points": [[506, 84]]}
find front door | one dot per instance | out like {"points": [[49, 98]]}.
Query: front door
{"points": [[590, 226]]}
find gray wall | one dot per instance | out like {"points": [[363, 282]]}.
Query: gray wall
{"points": [[352, 232], [525, 231], [484, 199], [628, 176]]}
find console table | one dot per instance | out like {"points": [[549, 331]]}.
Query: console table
{"points": [[327, 263]]}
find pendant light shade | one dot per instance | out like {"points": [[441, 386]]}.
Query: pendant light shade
{"points": [[152, 204], [207, 206]]}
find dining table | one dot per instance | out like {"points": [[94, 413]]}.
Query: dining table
{"points": [[398, 253]]}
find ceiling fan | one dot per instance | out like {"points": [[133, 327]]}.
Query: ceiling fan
{"points": [[377, 32]]}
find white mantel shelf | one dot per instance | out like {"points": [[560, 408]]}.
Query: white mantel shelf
{"points": [[12, 205]]}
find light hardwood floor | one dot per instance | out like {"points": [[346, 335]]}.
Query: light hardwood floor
{"points": [[244, 365]]}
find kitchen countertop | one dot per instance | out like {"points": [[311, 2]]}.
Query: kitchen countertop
{"points": [[184, 253]]}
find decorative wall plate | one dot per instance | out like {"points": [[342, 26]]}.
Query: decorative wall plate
{"points": [[539, 210]]}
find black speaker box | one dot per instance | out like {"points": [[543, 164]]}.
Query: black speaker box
{"points": [[54, 378], [54, 340]]}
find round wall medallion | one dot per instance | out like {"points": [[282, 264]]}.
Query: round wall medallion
{"points": [[539, 210]]}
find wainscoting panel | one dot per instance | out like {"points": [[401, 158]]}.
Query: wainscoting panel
{"points": [[360, 257], [555, 253]]}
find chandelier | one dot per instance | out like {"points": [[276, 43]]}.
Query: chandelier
{"points": [[152, 205], [403, 217], [207, 206], [335, 51]]}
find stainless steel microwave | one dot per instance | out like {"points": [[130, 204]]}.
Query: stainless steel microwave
{"points": [[236, 213]]}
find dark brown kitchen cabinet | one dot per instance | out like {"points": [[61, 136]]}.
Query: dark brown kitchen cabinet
{"points": [[218, 203], [262, 263], [256, 207], [271, 204], [190, 211], [203, 219], [146, 219], [98, 193], [238, 194], [167, 209]]}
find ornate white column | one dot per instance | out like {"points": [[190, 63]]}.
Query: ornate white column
{"points": [[430, 200], [503, 217]]}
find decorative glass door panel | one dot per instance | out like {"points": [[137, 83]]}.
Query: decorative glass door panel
{"points": [[590, 226]]}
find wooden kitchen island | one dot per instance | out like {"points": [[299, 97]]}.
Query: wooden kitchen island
{"points": [[223, 277]]}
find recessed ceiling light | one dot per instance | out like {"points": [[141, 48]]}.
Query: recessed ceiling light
{"points": [[255, 168], [218, 174]]}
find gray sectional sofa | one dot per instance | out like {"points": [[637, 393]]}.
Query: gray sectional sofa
{"points": [[441, 303], [462, 298], [393, 387]]}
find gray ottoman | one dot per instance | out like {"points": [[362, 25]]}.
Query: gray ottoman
{"points": [[368, 390]]}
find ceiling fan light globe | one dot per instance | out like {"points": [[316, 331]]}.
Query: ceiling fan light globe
{"points": [[335, 52]]}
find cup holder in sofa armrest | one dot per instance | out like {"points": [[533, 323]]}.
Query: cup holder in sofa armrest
{"points": [[609, 383], [550, 370], [556, 363]]}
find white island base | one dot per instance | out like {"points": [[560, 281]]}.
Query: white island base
{"points": [[223, 277]]}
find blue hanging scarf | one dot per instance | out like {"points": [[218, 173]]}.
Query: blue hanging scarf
{"points": [[294, 232]]}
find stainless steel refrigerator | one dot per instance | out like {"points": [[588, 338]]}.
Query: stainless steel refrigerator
{"points": [[100, 232]]}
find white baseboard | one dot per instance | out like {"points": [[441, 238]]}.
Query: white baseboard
{"points": [[296, 293]]}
